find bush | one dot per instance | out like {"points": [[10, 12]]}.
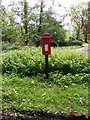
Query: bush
{"points": [[30, 61], [60, 79], [63, 43], [76, 42], [69, 43], [6, 46]]}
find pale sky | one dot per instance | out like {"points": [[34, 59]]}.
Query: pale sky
{"points": [[66, 3]]}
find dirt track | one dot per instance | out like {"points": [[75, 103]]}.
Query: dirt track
{"points": [[83, 48]]}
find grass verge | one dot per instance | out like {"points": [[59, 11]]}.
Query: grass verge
{"points": [[31, 94]]}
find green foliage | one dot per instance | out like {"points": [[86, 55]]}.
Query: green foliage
{"points": [[7, 46], [54, 27], [79, 20], [69, 43], [59, 79], [69, 79], [76, 42], [9, 30], [29, 61], [31, 25]]}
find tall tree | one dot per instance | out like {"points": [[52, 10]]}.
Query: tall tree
{"points": [[78, 14], [23, 10], [88, 29], [28, 18], [40, 23], [25, 21], [41, 13], [54, 27], [84, 23], [8, 24]]}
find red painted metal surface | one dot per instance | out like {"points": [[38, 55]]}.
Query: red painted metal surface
{"points": [[46, 44]]}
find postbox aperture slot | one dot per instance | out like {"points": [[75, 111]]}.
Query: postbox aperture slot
{"points": [[46, 39]]}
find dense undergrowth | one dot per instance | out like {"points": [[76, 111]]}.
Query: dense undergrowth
{"points": [[30, 62]]}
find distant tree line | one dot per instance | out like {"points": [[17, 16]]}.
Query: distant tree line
{"points": [[24, 24]]}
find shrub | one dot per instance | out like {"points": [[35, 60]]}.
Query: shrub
{"points": [[76, 42], [6, 46], [30, 61], [60, 79], [70, 43]]}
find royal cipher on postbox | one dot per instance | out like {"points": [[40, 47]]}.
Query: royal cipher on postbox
{"points": [[46, 44]]}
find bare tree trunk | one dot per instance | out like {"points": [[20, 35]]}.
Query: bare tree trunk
{"points": [[78, 33], [40, 22], [85, 36], [25, 21]]}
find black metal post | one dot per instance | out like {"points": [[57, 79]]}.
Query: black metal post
{"points": [[46, 60]]}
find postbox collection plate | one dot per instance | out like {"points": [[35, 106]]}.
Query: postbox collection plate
{"points": [[46, 47]]}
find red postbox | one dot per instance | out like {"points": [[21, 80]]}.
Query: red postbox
{"points": [[46, 44]]}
